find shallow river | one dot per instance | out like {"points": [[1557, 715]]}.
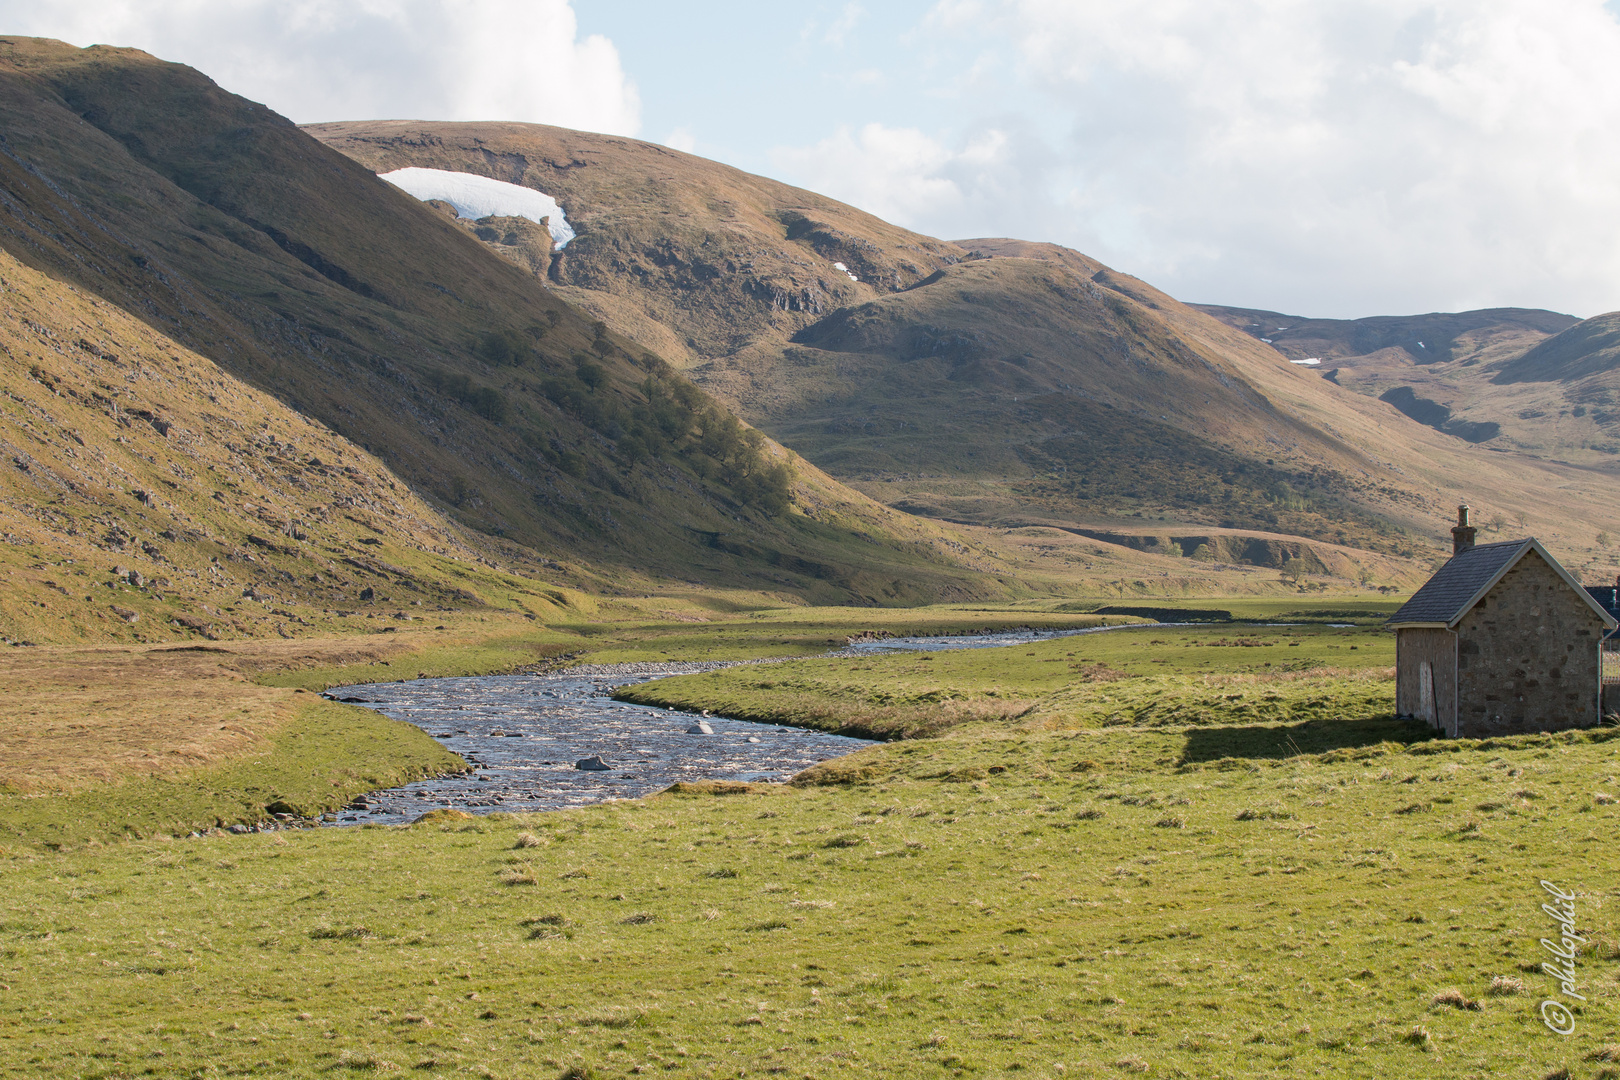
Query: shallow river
{"points": [[527, 733]]}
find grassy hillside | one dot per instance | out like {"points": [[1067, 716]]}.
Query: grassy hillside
{"points": [[907, 371], [235, 235], [1581, 351], [1512, 492], [690, 257], [1534, 382], [987, 381], [1467, 337], [150, 495]]}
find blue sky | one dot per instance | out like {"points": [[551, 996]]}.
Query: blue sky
{"points": [[740, 78], [1316, 157]]}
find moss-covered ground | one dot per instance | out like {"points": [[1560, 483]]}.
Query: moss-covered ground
{"points": [[1284, 882]]}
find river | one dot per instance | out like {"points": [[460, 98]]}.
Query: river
{"points": [[526, 734]]}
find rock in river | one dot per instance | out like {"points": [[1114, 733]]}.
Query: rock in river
{"points": [[700, 728], [594, 763]]}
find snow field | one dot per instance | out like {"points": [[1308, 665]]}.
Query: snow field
{"points": [[477, 197]]}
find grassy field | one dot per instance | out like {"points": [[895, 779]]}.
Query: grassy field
{"points": [[116, 740], [1309, 676], [168, 738], [1220, 859]]}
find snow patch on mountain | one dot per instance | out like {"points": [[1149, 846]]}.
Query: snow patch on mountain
{"points": [[476, 197]]}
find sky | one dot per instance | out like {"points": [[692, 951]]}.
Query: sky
{"points": [[1327, 158]]}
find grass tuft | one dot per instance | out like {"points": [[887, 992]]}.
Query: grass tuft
{"points": [[519, 875], [1505, 985], [1454, 998]]}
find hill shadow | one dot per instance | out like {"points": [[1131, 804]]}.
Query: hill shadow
{"points": [[1276, 741]]}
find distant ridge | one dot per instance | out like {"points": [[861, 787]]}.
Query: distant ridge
{"points": [[1586, 349]]}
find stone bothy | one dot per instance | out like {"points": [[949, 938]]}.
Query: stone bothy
{"points": [[1501, 640]]}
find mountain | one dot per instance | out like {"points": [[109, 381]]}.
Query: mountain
{"points": [[995, 382], [1467, 337], [519, 419], [149, 494], [1582, 351], [1535, 382]]}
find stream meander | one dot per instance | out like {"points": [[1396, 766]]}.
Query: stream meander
{"points": [[525, 733]]}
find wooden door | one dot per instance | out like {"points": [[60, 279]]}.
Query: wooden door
{"points": [[1427, 709]]}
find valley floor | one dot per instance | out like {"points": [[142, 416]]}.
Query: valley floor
{"points": [[1198, 851]]}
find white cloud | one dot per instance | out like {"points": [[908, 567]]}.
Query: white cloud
{"points": [[1330, 157], [681, 139], [847, 21], [371, 59], [895, 173], [991, 177], [987, 182]]}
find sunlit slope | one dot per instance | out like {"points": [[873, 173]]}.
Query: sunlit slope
{"points": [[225, 227], [1511, 493], [693, 258], [991, 381], [1421, 474], [941, 380], [149, 495]]}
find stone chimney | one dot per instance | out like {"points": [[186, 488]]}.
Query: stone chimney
{"points": [[1462, 536]]}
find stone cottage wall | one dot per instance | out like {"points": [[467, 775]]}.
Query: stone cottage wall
{"points": [[1413, 647], [1527, 656]]}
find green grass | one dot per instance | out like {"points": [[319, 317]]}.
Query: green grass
{"points": [[1285, 883], [1147, 677], [984, 904], [496, 654], [807, 631], [320, 760], [317, 765]]}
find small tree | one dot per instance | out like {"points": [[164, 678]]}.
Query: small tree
{"points": [[1520, 519], [592, 374], [1496, 523], [1163, 545], [1603, 539]]}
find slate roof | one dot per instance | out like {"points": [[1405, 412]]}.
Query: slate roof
{"points": [[1458, 585]]}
